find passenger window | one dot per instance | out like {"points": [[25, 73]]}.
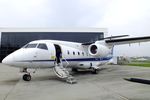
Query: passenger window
{"points": [[73, 53], [68, 52], [78, 53], [42, 46], [30, 46], [83, 53]]}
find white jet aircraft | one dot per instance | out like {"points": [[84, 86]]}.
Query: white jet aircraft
{"points": [[61, 54]]}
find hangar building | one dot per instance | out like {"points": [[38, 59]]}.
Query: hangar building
{"points": [[12, 39]]}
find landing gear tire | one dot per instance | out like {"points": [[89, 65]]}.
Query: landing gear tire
{"points": [[95, 71], [74, 69], [26, 77]]}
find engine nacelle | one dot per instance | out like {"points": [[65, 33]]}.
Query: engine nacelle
{"points": [[98, 50]]}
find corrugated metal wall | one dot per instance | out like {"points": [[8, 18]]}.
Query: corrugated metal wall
{"points": [[10, 41]]}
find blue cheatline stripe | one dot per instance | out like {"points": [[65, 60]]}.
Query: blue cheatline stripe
{"points": [[89, 59], [77, 59]]}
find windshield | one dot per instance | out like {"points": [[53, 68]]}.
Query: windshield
{"points": [[30, 46], [42, 46]]}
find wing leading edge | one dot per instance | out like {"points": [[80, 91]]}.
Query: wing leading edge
{"points": [[128, 40], [111, 37]]}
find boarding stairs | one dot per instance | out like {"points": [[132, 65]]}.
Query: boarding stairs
{"points": [[63, 73]]}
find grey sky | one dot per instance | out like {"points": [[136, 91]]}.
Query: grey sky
{"points": [[119, 16]]}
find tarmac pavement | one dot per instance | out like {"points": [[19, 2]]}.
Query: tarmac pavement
{"points": [[109, 84]]}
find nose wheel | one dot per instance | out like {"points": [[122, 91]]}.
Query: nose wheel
{"points": [[26, 77]]}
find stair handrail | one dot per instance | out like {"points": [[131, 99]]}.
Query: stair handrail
{"points": [[66, 61]]}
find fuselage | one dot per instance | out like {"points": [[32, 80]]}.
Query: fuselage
{"points": [[43, 54]]}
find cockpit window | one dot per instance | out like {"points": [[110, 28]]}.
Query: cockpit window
{"points": [[30, 46], [42, 46]]}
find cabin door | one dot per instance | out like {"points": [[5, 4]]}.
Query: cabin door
{"points": [[58, 53]]}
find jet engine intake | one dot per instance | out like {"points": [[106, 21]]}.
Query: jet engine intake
{"points": [[98, 50]]}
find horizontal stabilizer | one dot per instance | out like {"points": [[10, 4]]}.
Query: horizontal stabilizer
{"points": [[128, 40]]}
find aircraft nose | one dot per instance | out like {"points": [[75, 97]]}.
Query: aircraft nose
{"points": [[8, 60]]}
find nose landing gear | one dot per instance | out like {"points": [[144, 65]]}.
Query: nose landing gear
{"points": [[26, 77]]}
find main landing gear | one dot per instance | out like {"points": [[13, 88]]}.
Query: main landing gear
{"points": [[95, 70], [27, 76], [74, 70]]}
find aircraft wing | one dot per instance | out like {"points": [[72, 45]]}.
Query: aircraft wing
{"points": [[128, 40], [111, 37]]}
